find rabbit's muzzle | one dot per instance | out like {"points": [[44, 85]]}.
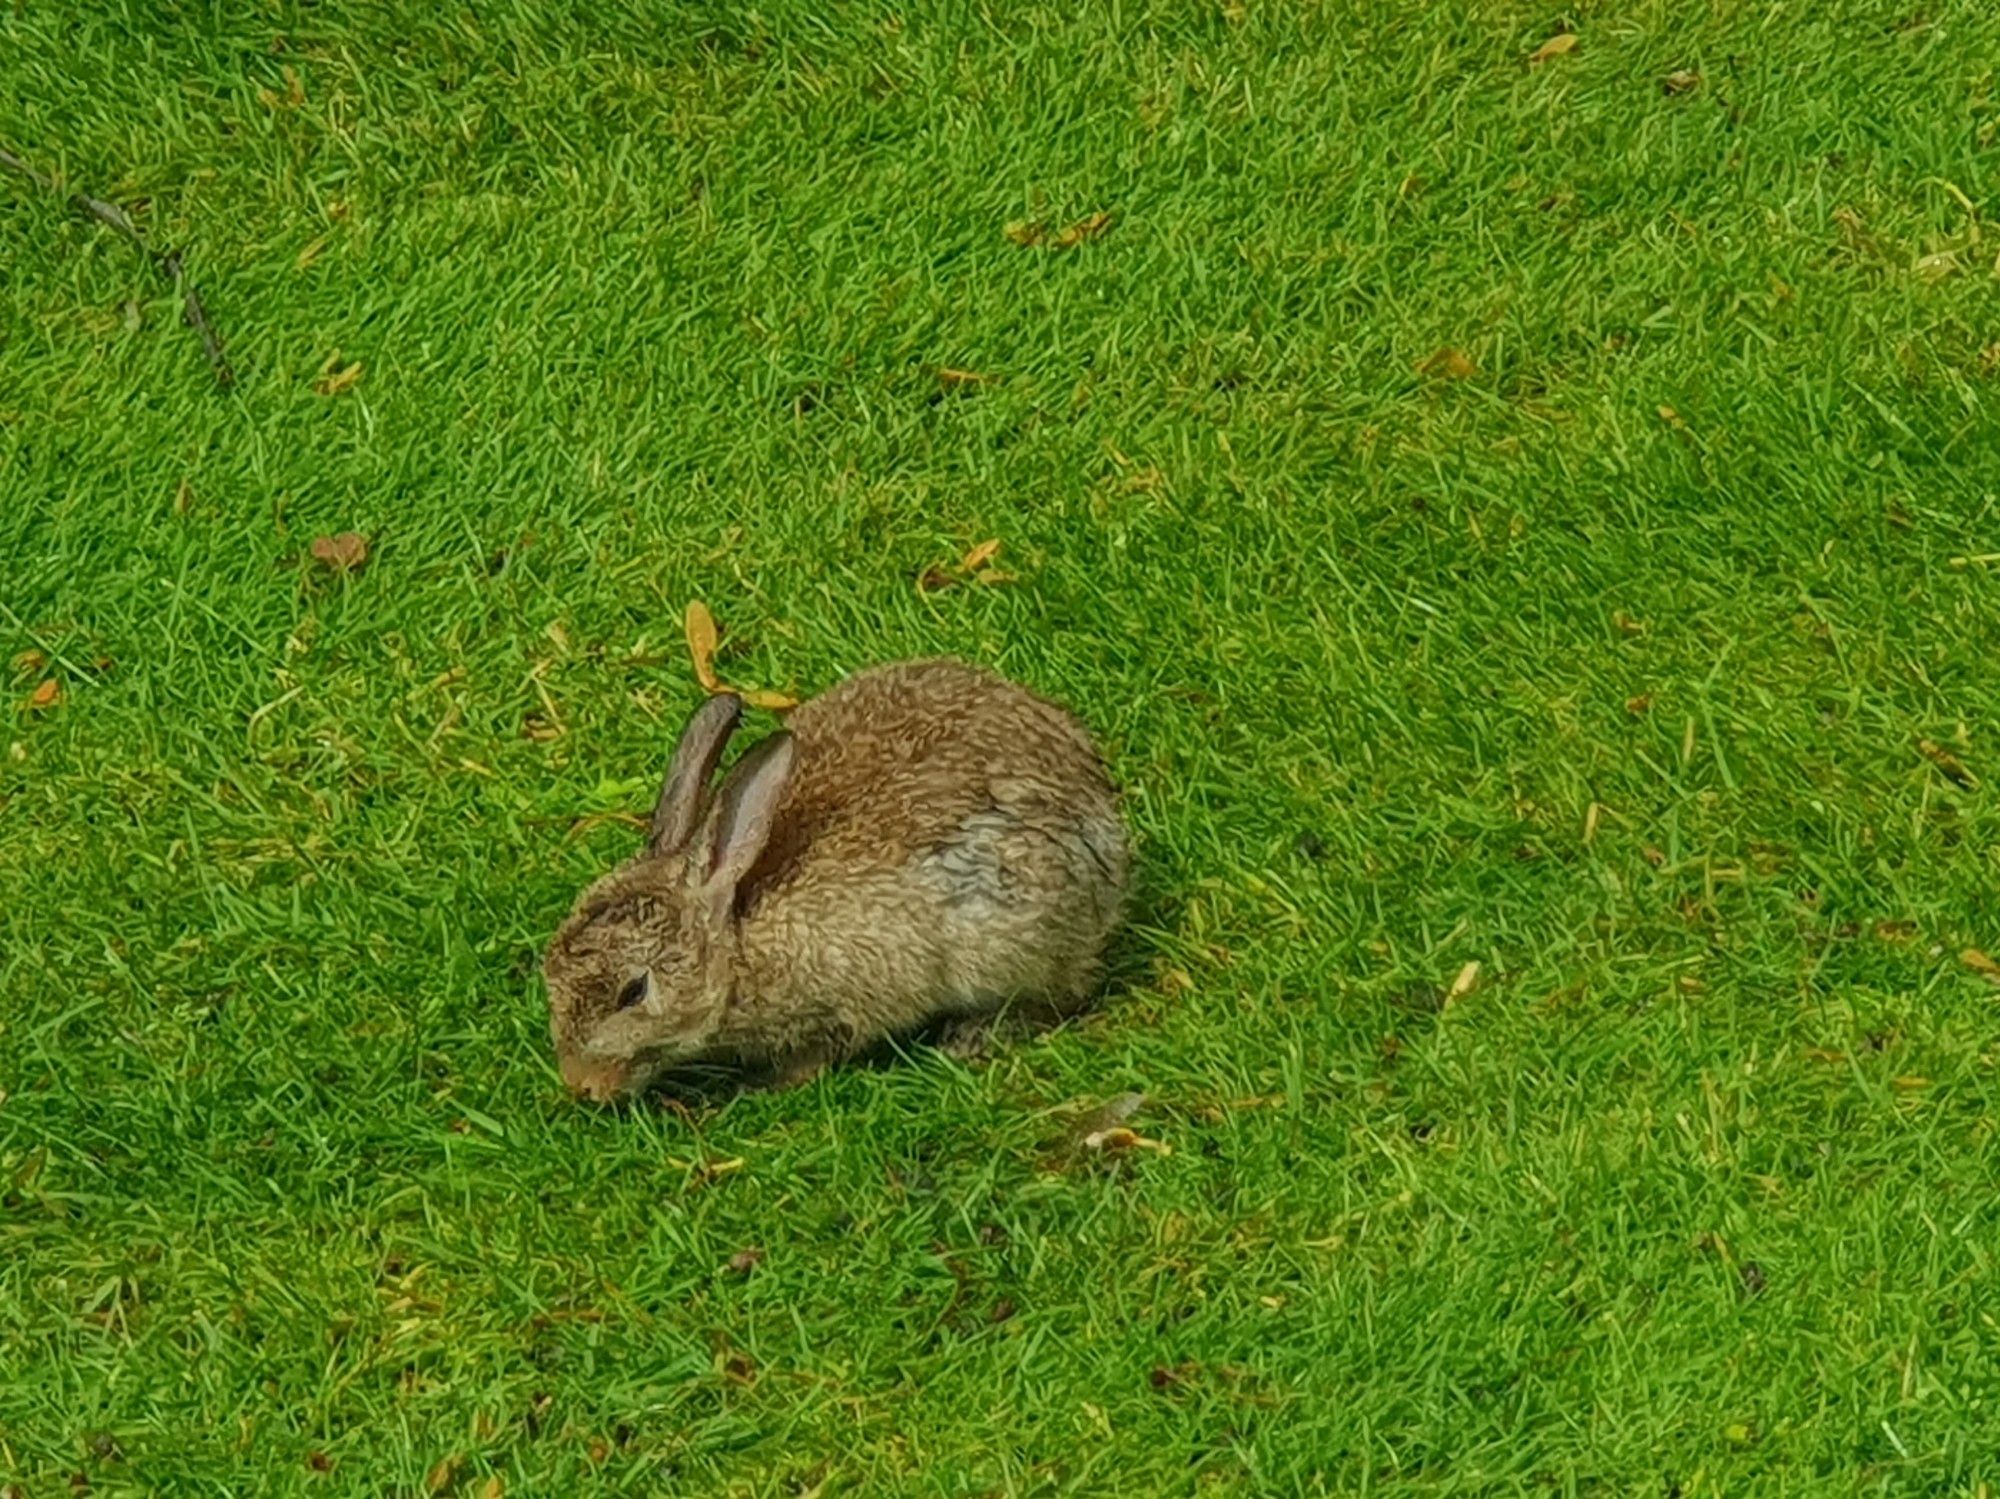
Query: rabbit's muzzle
{"points": [[598, 1082]]}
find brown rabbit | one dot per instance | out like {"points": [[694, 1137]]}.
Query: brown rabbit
{"points": [[925, 842]]}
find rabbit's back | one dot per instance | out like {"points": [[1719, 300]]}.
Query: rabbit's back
{"points": [[949, 842]]}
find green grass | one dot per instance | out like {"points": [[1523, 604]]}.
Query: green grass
{"points": [[1692, 1194]]}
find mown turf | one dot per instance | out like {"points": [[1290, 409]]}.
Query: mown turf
{"points": [[1603, 665]]}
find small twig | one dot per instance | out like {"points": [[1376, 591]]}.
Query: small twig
{"points": [[167, 263]]}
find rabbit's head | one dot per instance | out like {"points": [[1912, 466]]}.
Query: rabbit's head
{"points": [[640, 976]]}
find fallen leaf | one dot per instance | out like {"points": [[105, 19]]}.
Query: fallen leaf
{"points": [[1003, 1310], [738, 1367], [702, 640], [1175, 981], [1681, 81], [1082, 231], [1590, 817], [335, 377], [345, 552], [598, 1450], [1653, 856], [1449, 363], [319, 1462], [1982, 965], [1467, 980], [29, 662], [47, 694], [952, 378], [1626, 624], [762, 697], [705, 1172], [1024, 232], [1671, 417], [493, 1488], [311, 253], [979, 556], [935, 580], [1953, 768], [1120, 1140], [1934, 268], [1160, 1377], [1560, 45], [1638, 703], [439, 1478], [183, 497], [744, 1261]]}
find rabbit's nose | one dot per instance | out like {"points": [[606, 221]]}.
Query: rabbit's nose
{"points": [[598, 1084]]}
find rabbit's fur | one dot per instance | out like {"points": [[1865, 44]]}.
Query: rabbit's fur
{"points": [[924, 842]]}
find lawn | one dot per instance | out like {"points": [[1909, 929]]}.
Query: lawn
{"points": [[1533, 513]]}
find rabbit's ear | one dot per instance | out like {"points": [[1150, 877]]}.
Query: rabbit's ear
{"points": [[695, 758], [745, 810]]}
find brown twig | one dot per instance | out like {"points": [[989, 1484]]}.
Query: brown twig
{"points": [[166, 262]]}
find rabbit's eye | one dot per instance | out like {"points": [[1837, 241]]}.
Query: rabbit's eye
{"points": [[632, 993]]}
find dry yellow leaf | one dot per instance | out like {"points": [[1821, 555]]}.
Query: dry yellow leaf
{"points": [[439, 1478], [980, 555], [1980, 964], [335, 377], [345, 553], [30, 661], [493, 1488], [1082, 230], [1681, 81], [1464, 984], [702, 640], [1024, 232], [46, 695], [1448, 362], [1120, 1139], [1562, 43], [1953, 767], [311, 253], [953, 377]]}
